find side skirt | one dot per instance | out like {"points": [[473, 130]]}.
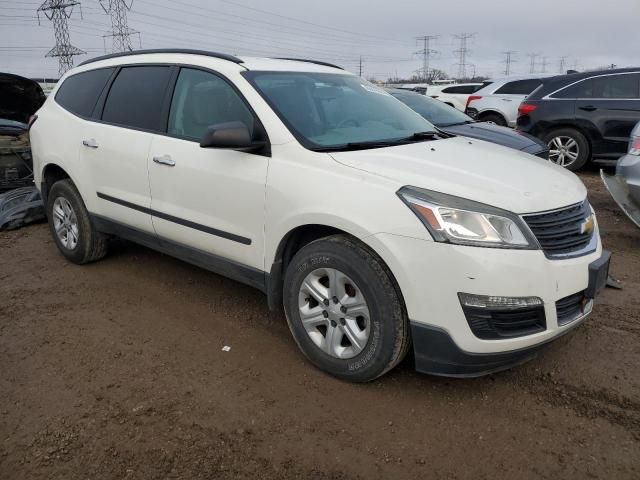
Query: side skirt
{"points": [[214, 263]]}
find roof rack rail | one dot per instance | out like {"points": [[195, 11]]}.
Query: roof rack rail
{"points": [[317, 62], [206, 53]]}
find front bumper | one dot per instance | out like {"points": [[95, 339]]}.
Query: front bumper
{"points": [[431, 274]]}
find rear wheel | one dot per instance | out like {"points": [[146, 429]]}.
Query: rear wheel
{"points": [[568, 148], [70, 225], [343, 309], [494, 118]]}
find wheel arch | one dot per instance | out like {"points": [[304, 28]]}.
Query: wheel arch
{"points": [[297, 238], [484, 113], [51, 173], [571, 126]]}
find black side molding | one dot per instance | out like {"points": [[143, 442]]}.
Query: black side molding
{"points": [[180, 221]]}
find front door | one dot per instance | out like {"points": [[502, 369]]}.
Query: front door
{"points": [[208, 199]]}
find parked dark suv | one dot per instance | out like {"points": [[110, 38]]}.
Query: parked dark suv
{"points": [[584, 115]]}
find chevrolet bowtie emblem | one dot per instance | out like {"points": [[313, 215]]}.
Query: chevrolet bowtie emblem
{"points": [[587, 225]]}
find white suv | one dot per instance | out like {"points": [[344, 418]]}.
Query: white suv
{"points": [[376, 232], [498, 101], [456, 95]]}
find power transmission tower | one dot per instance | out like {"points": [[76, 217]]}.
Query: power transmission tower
{"points": [[561, 64], [58, 12], [120, 32], [532, 66], [426, 53], [360, 71], [462, 52], [508, 60], [545, 62]]}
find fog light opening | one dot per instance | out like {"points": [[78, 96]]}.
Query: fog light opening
{"points": [[498, 302]]}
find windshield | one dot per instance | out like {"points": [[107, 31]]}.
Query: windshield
{"points": [[328, 111], [438, 113]]}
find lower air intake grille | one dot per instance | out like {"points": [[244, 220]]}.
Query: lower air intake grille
{"points": [[570, 308], [564, 231], [493, 324]]}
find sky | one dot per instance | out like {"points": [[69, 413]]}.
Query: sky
{"points": [[588, 33]]}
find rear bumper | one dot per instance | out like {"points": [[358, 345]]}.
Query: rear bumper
{"points": [[624, 187]]}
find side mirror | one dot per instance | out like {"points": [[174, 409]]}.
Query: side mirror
{"points": [[231, 135]]}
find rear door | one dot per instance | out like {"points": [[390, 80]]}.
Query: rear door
{"points": [[209, 199], [613, 109], [116, 146]]}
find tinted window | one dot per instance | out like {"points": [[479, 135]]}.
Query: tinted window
{"points": [[617, 86], [464, 89], [583, 89], [519, 87], [136, 96], [80, 92], [202, 99], [438, 113]]}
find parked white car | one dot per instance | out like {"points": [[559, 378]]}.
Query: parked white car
{"points": [[498, 101], [375, 232], [454, 95]]}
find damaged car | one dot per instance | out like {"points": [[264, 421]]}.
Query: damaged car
{"points": [[20, 98], [624, 186]]}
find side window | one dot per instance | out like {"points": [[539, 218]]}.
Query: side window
{"points": [[583, 89], [462, 89], [136, 96], [519, 87], [617, 86], [80, 92], [202, 99]]}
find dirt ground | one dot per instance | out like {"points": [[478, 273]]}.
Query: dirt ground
{"points": [[116, 371]]}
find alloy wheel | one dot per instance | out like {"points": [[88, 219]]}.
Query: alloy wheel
{"points": [[563, 150], [65, 223], [334, 313]]}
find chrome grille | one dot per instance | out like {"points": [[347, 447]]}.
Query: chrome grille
{"points": [[562, 232]]}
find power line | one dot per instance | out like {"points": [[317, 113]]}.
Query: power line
{"points": [[532, 65], [120, 32], [508, 60], [426, 53], [561, 63], [462, 52], [545, 62], [58, 12]]}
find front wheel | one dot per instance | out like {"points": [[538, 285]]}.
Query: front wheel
{"points": [[343, 309]]}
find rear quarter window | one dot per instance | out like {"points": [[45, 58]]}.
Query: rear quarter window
{"points": [[80, 92], [519, 87]]}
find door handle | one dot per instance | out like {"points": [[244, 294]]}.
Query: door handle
{"points": [[507, 100], [164, 160], [91, 143], [588, 108]]}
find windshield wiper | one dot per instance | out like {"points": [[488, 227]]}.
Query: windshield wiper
{"points": [[429, 135], [356, 146]]}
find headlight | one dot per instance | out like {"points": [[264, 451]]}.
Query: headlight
{"points": [[464, 222], [634, 141]]}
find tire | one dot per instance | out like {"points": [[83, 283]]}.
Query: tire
{"points": [[564, 136], [494, 118], [83, 244], [381, 327]]}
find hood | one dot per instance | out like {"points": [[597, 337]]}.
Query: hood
{"points": [[19, 97], [500, 135], [478, 171]]}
